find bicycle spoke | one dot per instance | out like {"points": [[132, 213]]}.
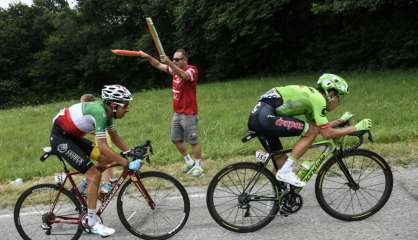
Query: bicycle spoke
{"points": [[239, 179], [261, 187], [367, 200], [371, 177], [233, 182], [339, 175], [230, 190], [222, 203], [335, 182]]}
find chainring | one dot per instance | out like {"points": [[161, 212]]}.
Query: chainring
{"points": [[290, 202]]}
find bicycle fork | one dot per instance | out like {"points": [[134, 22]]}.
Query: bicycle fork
{"points": [[144, 192]]}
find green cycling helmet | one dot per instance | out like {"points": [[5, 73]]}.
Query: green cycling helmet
{"points": [[329, 82]]}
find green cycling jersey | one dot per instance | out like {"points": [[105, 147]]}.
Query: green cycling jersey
{"points": [[299, 100]]}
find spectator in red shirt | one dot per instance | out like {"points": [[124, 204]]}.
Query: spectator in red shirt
{"points": [[184, 122]]}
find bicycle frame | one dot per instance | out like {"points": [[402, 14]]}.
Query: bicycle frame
{"points": [[106, 198], [330, 148]]}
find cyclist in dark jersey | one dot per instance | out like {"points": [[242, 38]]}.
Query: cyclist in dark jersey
{"points": [[274, 116], [73, 123]]}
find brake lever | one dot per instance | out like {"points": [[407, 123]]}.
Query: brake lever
{"points": [[370, 137]]}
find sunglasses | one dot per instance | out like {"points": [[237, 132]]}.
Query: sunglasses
{"points": [[123, 105], [177, 59]]}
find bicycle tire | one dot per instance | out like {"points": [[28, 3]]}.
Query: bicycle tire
{"points": [[28, 199], [153, 182], [330, 169], [216, 181]]}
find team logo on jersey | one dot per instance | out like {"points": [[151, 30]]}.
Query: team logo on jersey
{"points": [[289, 124], [62, 148]]}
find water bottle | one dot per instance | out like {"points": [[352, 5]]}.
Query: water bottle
{"points": [[82, 186], [304, 168]]}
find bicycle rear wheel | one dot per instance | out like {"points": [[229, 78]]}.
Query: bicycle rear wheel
{"points": [[47, 211], [242, 197], [172, 206], [372, 186]]}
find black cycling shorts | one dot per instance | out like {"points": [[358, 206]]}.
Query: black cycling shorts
{"points": [[74, 150], [264, 121]]}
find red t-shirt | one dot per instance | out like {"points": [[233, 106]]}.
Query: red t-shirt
{"points": [[184, 91]]}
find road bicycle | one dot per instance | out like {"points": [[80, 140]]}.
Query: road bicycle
{"points": [[351, 184], [150, 205]]}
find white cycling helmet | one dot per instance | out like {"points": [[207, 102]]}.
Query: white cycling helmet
{"points": [[116, 93]]}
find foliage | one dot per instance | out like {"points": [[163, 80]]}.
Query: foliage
{"points": [[50, 51]]}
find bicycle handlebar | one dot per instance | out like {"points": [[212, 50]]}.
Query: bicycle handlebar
{"points": [[142, 151], [360, 136]]}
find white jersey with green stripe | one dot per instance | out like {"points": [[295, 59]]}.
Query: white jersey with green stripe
{"points": [[83, 118]]}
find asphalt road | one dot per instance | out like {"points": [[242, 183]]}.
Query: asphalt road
{"points": [[397, 220]]}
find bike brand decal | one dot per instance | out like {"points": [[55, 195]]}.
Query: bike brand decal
{"points": [[313, 169], [289, 124], [62, 148]]}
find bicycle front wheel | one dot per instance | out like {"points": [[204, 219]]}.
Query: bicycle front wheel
{"points": [[243, 197], [354, 185], [47, 211], [161, 216]]}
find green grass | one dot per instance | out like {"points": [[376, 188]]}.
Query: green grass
{"points": [[389, 98]]}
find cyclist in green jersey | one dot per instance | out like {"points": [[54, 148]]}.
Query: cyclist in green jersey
{"points": [[274, 117], [67, 140]]}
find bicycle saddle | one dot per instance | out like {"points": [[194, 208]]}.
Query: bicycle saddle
{"points": [[250, 135]]}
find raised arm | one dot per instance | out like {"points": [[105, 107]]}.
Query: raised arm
{"points": [[181, 73], [154, 62]]}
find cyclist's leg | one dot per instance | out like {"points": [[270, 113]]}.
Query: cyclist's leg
{"points": [[265, 122], [305, 141], [76, 152]]}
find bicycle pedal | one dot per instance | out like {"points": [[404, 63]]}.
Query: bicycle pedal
{"points": [[46, 227], [283, 213]]}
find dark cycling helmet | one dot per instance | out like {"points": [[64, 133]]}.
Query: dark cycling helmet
{"points": [[329, 82], [116, 93]]}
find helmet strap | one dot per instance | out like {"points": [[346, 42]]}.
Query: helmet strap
{"points": [[114, 109]]}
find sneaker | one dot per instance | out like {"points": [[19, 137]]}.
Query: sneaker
{"points": [[290, 177], [197, 171], [188, 168], [102, 230], [105, 187]]}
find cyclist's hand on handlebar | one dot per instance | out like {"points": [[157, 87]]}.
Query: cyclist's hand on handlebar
{"points": [[135, 165], [365, 124], [346, 116]]}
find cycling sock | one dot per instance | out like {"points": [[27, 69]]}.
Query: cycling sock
{"points": [[197, 162], [287, 166], [92, 218], [188, 160]]}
